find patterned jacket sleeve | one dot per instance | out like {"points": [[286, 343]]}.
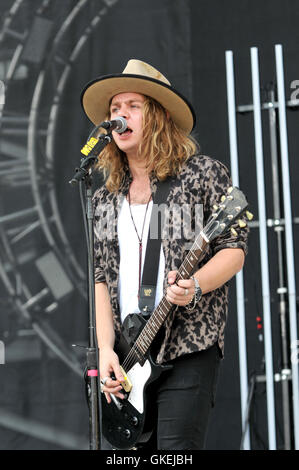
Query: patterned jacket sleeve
{"points": [[216, 183], [99, 273]]}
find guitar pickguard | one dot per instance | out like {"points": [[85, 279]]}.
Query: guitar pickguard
{"points": [[138, 376]]}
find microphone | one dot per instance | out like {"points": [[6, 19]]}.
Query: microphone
{"points": [[118, 125]]}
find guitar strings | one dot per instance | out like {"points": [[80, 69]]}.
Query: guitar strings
{"points": [[135, 350]]}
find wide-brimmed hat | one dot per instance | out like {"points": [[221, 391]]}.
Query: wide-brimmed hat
{"points": [[137, 77]]}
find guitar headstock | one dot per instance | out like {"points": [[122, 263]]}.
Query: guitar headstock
{"points": [[226, 213]]}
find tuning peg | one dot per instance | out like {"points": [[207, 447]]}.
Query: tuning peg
{"points": [[249, 215], [223, 198], [215, 207], [230, 189], [242, 223], [233, 232]]}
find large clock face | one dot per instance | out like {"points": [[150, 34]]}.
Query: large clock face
{"points": [[42, 241]]}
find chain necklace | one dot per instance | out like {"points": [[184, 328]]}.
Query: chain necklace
{"points": [[139, 237]]}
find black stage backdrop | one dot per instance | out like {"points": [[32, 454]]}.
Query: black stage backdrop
{"points": [[186, 40]]}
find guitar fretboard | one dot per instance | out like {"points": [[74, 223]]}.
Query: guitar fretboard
{"points": [[161, 312]]}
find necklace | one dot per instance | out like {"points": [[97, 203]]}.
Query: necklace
{"points": [[139, 237]]}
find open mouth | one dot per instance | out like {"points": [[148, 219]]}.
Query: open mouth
{"points": [[127, 131]]}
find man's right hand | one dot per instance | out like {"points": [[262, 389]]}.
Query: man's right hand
{"points": [[109, 366]]}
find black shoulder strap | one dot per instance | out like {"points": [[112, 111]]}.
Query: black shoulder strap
{"points": [[147, 293]]}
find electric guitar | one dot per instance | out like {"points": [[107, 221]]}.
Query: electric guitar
{"points": [[125, 422]]}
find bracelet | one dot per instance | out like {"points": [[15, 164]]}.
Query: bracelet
{"points": [[197, 295]]}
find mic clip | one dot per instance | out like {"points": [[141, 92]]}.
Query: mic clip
{"points": [[95, 146]]}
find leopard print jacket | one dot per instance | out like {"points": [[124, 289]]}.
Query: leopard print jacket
{"points": [[201, 183]]}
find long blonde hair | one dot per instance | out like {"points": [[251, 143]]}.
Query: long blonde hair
{"points": [[165, 147]]}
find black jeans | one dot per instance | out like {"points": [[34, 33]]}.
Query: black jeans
{"points": [[184, 397]]}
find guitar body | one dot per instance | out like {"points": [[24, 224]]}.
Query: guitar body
{"points": [[127, 424]]}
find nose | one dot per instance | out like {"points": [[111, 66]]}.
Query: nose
{"points": [[123, 111]]}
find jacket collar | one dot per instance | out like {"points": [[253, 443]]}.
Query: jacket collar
{"points": [[128, 178]]}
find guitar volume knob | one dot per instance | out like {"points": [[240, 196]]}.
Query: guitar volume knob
{"points": [[127, 433], [134, 420]]}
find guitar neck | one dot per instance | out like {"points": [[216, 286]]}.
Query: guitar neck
{"points": [[161, 312]]}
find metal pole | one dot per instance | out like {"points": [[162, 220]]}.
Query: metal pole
{"points": [[239, 278], [288, 235], [282, 289], [263, 248]]}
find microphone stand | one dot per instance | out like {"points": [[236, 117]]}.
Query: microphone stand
{"points": [[83, 173]]}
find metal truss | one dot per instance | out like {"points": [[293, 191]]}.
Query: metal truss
{"points": [[30, 221]]}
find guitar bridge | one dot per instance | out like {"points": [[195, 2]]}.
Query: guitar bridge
{"points": [[126, 384]]}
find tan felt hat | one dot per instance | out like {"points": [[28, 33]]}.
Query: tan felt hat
{"points": [[137, 77]]}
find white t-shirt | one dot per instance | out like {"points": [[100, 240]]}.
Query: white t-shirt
{"points": [[129, 257]]}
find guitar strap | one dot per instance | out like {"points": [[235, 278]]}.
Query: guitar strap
{"points": [[147, 293]]}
